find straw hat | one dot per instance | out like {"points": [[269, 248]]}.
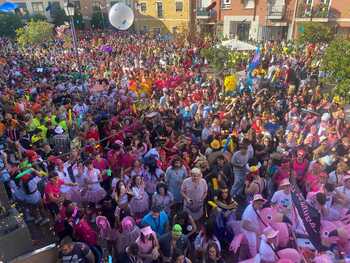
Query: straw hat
{"points": [[269, 232], [285, 182], [258, 197]]}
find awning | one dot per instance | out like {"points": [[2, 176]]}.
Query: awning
{"points": [[8, 7], [235, 44]]}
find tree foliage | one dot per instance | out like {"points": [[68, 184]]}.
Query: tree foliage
{"points": [[336, 65], [313, 32], [58, 15], [37, 17], [217, 57], [98, 19], [9, 23], [221, 57], [34, 33]]}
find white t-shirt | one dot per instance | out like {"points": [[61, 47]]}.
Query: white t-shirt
{"points": [[344, 190], [266, 252], [335, 178], [283, 200], [250, 215]]}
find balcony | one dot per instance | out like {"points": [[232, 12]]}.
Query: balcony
{"points": [[276, 12], [203, 13], [318, 13]]}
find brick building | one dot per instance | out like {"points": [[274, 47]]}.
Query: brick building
{"points": [[273, 19]]}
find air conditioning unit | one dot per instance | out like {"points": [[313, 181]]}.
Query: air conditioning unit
{"points": [[226, 3]]}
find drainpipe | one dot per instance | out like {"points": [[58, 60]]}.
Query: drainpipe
{"points": [[218, 19], [293, 20]]}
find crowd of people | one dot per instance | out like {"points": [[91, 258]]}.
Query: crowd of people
{"points": [[145, 158]]}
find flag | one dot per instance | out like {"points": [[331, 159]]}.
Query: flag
{"points": [[255, 61], [309, 215]]}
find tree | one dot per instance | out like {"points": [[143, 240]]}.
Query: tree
{"points": [[58, 15], [99, 20], [37, 17], [9, 23], [336, 65], [217, 57], [78, 20], [34, 33], [313, 32]]}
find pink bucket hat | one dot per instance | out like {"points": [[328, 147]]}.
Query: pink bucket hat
{"points": [[127, 224]]}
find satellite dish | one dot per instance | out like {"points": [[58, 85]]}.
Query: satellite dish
{"points": [[121, 16]]}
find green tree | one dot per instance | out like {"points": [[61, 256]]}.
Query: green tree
{"points": [[37, 17], [34, 33], [58, 15], [336, 65], [78, 20], [9, 23], [98, 19], [217, 57], [313, 32]]}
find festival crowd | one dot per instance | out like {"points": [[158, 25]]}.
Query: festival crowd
{"points": [[145, 156]]}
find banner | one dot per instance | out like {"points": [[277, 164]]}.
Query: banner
{"points": [[309, 215]]}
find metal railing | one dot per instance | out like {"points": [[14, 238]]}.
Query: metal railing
{"points": [[203, 12]]}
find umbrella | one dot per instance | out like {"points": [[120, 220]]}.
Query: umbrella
{"points": [[7, 7]]}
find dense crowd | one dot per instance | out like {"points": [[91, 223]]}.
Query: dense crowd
{"points": [[146, 158]]}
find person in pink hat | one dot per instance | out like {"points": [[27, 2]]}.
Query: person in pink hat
{"points": [[344, 191], [252, 223], [268, 246], [282, 198]]}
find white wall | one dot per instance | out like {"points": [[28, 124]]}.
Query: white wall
{"points": [[254, 24]]}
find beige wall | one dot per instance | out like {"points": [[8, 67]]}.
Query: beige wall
{"points": [[171, 18]]}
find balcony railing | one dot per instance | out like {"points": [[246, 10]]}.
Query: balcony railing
{"points": [[316, 11], [203, 13], [276, 12]]}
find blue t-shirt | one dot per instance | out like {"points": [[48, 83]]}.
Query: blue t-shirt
{"points": [[158, 225]]}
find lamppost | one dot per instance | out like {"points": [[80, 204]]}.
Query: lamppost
{"points": [[69, 9]]}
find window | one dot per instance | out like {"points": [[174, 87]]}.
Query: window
{"points": [[174, 29], [76, 5], [38, 7], [225, 4], [160, 9], [249, 3], [143, 7], [179, 6], [157, 30]]}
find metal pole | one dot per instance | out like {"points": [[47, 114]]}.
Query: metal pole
{"points": [[75, 45]]}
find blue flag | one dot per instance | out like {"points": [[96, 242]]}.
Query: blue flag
{"points": [[255, 61]]}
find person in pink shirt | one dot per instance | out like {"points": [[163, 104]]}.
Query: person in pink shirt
{"points": [[102, 165], [300, 166], [315, 177]]}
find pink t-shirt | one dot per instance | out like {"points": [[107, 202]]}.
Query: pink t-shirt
{"points": [[148, 245]]}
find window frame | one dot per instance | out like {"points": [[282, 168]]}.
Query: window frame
{"points": [[176, 5]]}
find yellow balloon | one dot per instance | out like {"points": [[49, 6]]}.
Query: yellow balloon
{"points": [[230, 83]]}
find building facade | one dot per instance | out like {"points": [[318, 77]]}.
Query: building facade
{"points": [[163, 16], [271, 19]]}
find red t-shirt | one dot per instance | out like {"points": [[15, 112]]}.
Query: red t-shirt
{"points": [[53, 189]]}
